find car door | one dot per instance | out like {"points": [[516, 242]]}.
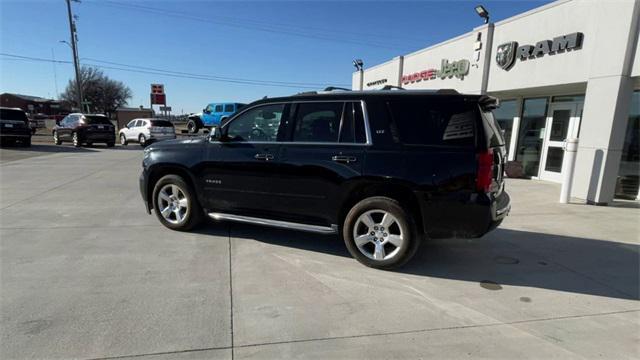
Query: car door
{"points": [[241, 170], [218, 111], [325, 154], [128, 130], [207, 115], [68, 127]]}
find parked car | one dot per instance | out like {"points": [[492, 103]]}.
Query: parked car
{"points": [[146, 131], [14, 126], [84, 129], [380, 168], [37, 121], [212, 116]]}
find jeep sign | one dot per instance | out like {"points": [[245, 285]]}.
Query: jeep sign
{"points": [[458, 69], [507, 53]]}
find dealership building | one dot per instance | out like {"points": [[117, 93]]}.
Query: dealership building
{"points": [[569, 69]]}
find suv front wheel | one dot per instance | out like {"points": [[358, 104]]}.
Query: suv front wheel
{"points": [[175, 204], [379, 233]]}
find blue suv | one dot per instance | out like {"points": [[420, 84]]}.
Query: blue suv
{"points": [[212, 116]]}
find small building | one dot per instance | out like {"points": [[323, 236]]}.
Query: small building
{"points": [[569, 69], [126, 114], [34, 104]]}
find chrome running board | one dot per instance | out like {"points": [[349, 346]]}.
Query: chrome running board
{"points": [[275, 223]]}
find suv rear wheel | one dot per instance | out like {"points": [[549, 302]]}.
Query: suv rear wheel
{"points": [[175, 203], [192, 127], [379, 233]]}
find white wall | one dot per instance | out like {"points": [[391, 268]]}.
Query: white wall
{"points": [[389, 71]]}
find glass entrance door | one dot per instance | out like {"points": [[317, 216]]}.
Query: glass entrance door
{"points": [[563, 122]]}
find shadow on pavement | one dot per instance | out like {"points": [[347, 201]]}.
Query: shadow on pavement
{"points": [[504, 257], [48, 148]]}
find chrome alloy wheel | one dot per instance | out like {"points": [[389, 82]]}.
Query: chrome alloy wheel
{"points": [[173, 203], [378, 235], [76, 141]]}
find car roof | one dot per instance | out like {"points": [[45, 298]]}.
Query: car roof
{"points": [[364, 94], [10, 108]]}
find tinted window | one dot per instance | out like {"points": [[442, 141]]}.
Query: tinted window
{"points": [[97, 120], [161, 123], [431, 122], [14, 115], [239, 106], [138, 123], [259, 124], [208, 109], [352, 129], [318, 122], [228, 108], [218, 108], [131, 123]]}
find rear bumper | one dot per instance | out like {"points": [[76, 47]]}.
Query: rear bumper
{"points": [[463, 215], [108, 137], [159, 137]]}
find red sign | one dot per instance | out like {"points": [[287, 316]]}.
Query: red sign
{"points": [[160, 99]]}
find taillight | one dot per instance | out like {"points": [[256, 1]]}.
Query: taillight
{"points": [[484, 177]]}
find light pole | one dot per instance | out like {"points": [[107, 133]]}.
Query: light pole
{"points": [[74, 50]]}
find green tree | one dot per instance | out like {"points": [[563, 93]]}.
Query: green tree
{"points": [[104, 94]]}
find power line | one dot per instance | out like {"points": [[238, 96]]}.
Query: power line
{"points": [[266, 28], [184, 75]]}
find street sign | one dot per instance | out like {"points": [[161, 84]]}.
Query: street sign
{"points": [[165, 108]]}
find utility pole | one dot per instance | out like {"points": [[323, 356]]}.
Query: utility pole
{"points": [[74, 49]]}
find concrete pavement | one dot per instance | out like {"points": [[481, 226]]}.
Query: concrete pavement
{"points": [[86, 273]]}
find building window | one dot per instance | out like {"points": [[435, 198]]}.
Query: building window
{"points": [[504, 116], [531, 135], [628, 173]]}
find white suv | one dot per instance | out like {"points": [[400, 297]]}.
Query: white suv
{"points": [[146, 131]]}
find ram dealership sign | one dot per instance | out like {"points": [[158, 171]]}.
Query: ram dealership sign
{"points": [[458, 69], [507, 53]]}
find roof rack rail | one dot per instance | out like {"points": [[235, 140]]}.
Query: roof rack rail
{"points": [[391, 87], [447, 91], [307, 93], [333, 88]]}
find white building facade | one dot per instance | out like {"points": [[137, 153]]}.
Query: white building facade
{"points": [[570, 69]]}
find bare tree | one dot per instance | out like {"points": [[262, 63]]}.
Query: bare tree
{"points": [[104, 94]]}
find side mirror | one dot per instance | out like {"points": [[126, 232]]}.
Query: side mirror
{"points": [[215, 134]]}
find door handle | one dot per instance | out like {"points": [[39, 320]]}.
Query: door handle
{"points": [[343, 158], [265, 157]]}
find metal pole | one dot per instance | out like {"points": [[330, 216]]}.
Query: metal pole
{"points": [[568, 164], [74, 49]]}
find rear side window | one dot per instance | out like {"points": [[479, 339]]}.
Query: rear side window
{"points": [[161, 123], [218, 108], [435, 122], [12, 115], [228, 108], [95, 120], [318, 122], [492, 130], [352, 129]]}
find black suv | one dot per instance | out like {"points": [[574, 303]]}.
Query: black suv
{"points": [[85, 129], [381, 168], [14, 126]]}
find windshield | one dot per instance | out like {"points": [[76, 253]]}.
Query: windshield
{"points": [[102, 120], [12, 115], [161, 123]]}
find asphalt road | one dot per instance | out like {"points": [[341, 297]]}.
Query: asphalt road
{"points": [[85, 273]]}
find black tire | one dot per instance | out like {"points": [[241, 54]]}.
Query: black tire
{"points": [[406, 226], [123, 140], [111, 144], [142, 140], [56, 139], [193, 216], [76, 140], [193, 127]]}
